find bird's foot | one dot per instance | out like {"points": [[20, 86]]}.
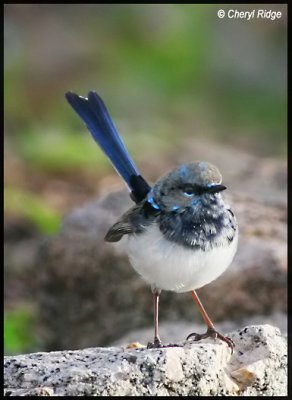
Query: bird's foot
{"points": [[156, 344], [211, 332]]}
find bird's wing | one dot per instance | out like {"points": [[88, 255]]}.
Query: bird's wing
{"points": [[118, 230], [135, 220], [123, 226]]}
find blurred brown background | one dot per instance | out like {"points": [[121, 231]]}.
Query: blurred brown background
{"points": [[178, 81]]}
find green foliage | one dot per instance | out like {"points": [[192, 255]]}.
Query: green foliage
{"points": [[21, 202], [165, 53], [53, 149], [19, 330]]}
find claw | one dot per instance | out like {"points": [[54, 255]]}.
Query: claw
{"points": [[155, 345], [212, 333]]}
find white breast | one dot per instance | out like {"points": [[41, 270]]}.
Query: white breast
{"points": [[169, 266]]}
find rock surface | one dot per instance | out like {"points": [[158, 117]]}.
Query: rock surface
{"points": [[257, 367]]}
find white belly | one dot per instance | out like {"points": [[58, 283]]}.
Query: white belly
{"points": [[168, 266]]}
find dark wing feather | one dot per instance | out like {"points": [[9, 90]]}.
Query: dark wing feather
{"points": [[118, 230], [124, 225], [132, 221]]}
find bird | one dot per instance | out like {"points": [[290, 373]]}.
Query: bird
{"points": [[180, 234]]}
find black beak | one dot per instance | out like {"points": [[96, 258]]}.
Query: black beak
{"points": [[216, 188]]}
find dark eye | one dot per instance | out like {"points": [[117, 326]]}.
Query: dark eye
{"points": [[188, 193]]}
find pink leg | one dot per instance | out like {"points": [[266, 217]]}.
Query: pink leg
{"points": [[157, 341], [211, 332]]}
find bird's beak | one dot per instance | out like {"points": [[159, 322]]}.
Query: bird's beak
{"points": [[216, 188]]}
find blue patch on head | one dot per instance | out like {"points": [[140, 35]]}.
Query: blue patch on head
{"points": [[202, 165], [184, 171], [151, 201], [174, 208]]}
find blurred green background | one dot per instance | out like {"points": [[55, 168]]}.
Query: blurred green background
{"points": [[166, 72]]}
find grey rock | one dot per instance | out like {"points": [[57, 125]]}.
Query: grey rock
{"points": [[257, 367]]}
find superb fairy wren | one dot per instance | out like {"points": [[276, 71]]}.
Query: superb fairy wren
{"points": [[180, 233]]}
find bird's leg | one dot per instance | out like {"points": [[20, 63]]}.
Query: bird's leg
{"points": [[211, 332], [157, 342]]}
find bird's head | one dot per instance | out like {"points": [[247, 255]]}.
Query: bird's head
{"points": [[186, 186]]}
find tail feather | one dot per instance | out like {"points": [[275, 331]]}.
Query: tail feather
{"points": [[98, 121]]}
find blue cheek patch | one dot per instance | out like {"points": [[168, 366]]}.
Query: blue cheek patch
{"points": [[153, 204], [195, 201], [174, 208]]}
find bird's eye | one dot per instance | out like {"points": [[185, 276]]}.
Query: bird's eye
{"points": [[188, 193]]}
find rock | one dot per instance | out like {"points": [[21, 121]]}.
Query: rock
{"points": [[257, 367]]}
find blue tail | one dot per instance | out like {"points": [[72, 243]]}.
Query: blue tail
{"points": [[97, 119]]}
